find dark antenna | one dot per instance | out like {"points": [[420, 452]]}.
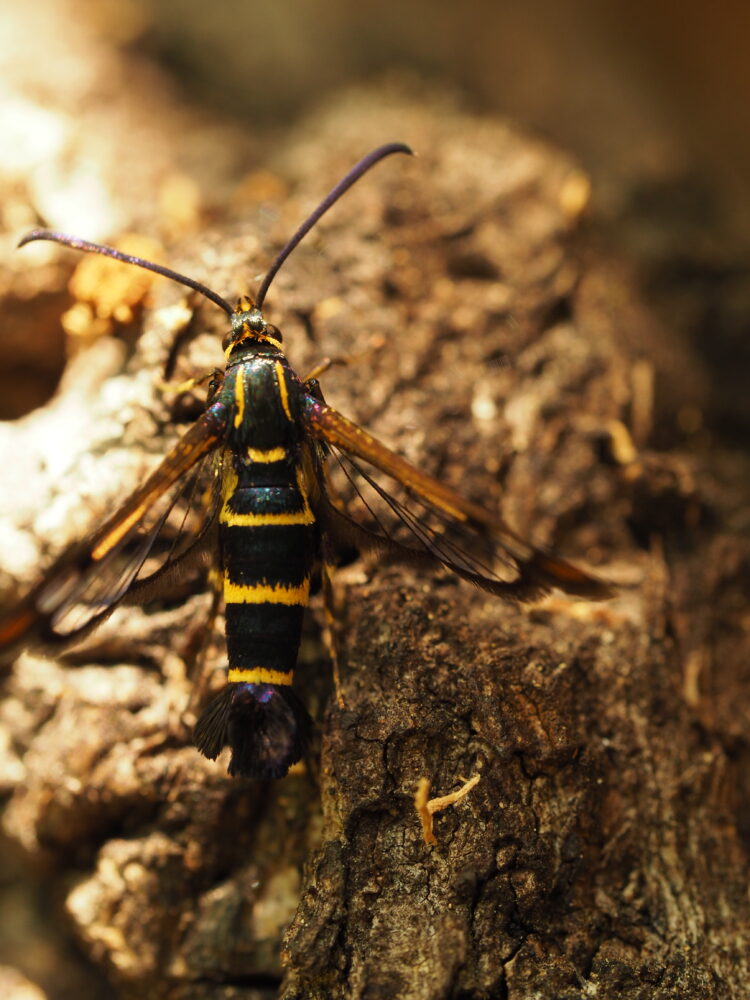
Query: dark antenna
{"points": [[78, 244], [343, 185]]}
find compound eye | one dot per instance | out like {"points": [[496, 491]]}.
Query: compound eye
{"points": [[228, 340], [273, 332]]}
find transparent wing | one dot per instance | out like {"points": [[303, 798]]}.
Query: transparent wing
{"points": [[155, 530], [429, 522]]}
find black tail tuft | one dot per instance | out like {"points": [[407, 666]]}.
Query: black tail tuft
{"points": [[266, 726]]}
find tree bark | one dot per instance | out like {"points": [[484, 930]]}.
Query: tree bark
{"points": [[603, 850]]}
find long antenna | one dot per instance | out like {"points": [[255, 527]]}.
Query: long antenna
{"points": [[343, 185], [78, 244]]}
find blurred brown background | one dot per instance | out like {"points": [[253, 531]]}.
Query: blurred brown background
{"points": [[631, 88]]}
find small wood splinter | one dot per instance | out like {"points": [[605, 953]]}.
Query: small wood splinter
{"points": [[426, 808]]}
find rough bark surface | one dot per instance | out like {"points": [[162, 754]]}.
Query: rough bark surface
{"points": [[603, 851]]}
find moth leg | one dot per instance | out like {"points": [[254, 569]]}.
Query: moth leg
{"points": [[342, 359], [183, 405], [330, 638], [213, 378], [311, 379]]}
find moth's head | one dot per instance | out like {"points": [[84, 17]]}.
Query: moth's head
{"points": [[248, 325]]}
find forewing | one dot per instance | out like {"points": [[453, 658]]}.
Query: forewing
{"points": [[441, 525], [157, 520]]}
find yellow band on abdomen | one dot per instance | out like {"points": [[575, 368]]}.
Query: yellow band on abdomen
{"points": [[259, 593], [259, 675], [266, 455]]}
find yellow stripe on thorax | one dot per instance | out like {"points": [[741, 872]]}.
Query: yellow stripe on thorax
{"points": [[262, 593], [239, 399], [259, 675], [281, 376]]}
